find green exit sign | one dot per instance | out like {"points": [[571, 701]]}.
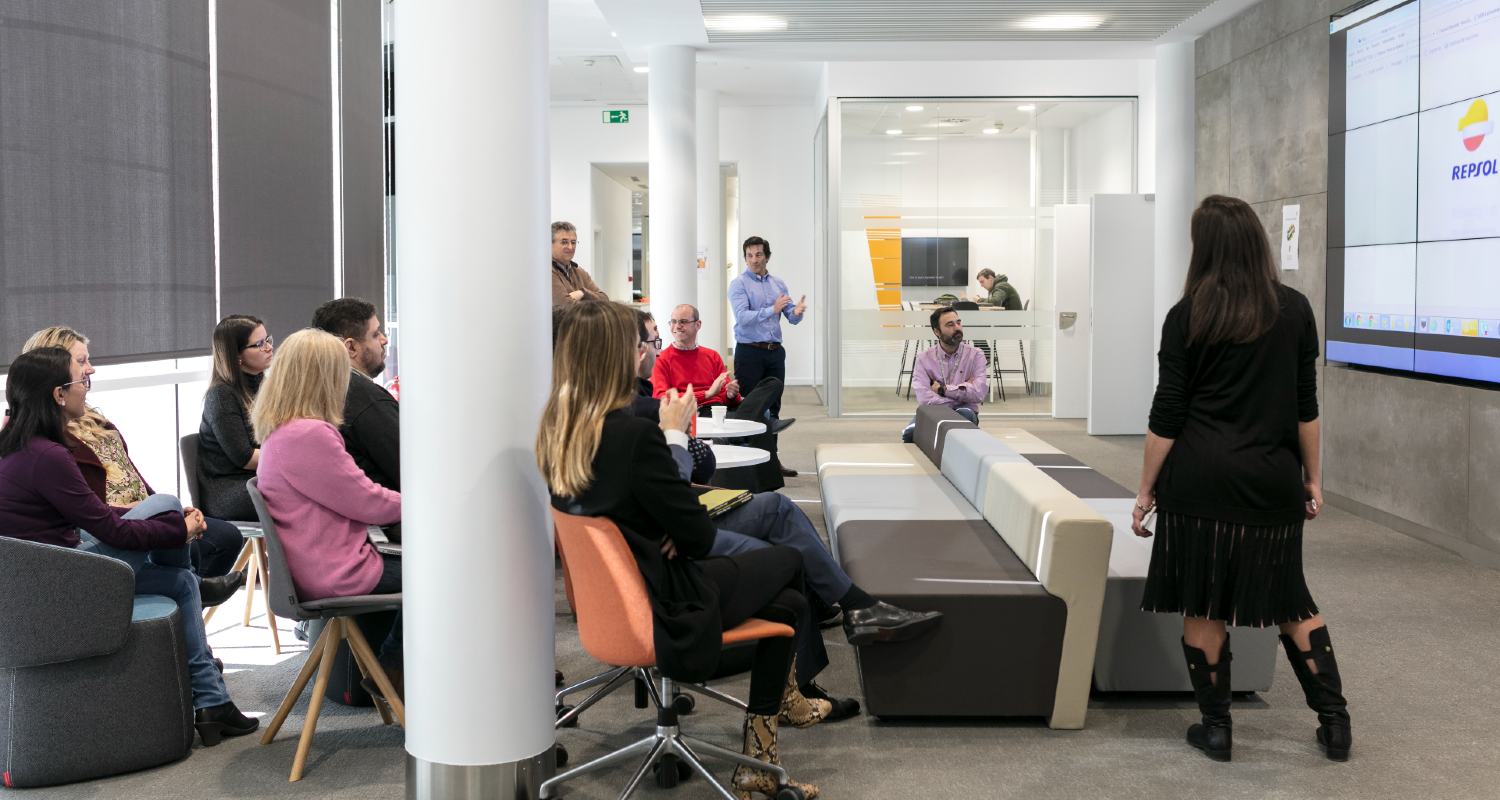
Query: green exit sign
{"points": [[617, 116]]}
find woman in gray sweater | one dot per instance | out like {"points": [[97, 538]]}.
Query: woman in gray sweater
{"points": [[227, 451]]}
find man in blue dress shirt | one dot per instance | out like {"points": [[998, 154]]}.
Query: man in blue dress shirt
{"points": [[760, 300]]}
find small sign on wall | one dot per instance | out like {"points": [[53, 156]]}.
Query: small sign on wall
{"points": [[1291, 235], [618, 116]]}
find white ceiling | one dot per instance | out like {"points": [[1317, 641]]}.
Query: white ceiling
{"points": [[949, 20], [962, 119], [595, 44]]}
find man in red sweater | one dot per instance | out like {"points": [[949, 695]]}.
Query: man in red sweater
{"points": [[686, 364]]}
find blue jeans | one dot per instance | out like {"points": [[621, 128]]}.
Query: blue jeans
{"points": [[773, 519], [166, 572], [911, 429]]}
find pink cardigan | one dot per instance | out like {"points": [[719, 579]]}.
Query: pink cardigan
{"points": [[322, 504]]}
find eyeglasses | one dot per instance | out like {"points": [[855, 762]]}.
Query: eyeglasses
{"points": [[87, 381], [655, 343], [264, 344], [681, 323]]}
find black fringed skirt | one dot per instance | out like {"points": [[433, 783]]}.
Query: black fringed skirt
{"points": [[1241, 574]]}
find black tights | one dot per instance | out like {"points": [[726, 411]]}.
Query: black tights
{"points": [[766, 584]]}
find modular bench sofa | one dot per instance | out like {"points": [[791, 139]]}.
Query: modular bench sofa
{"points": [[1030, 556]]}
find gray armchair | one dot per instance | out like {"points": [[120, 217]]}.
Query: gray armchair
{"points": [[93, 678]]}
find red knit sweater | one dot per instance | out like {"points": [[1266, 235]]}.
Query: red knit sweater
{"points": [[675, 369]]}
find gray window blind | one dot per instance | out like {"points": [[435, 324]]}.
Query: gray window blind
{"points": [[106, 214], [275, 160]]}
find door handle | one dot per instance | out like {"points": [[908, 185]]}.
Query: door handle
{"points": [[1066, 319]]}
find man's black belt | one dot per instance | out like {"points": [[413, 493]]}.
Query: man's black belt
{"points": [[763, 345]]}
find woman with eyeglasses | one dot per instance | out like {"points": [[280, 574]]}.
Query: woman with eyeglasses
{"points": [[104, 458], [228, 452], [44, 498]]}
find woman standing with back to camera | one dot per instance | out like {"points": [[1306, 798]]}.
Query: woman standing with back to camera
{"points": [[1232, 464]]}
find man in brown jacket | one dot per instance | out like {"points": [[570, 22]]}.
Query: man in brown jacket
{"points": [[570, 283]]}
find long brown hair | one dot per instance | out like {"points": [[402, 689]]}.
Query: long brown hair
{"points": [[1231, 281], [593, 373], [231, 336]]}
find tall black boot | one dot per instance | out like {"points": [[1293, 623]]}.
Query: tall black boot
{"points": [[1324, 691], [1215, 735]]}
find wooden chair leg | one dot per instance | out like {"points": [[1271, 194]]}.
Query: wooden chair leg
{"points": [[252, 574], [239, 564], [314, 658], [361, 649], [333, 634], [265, 594]]}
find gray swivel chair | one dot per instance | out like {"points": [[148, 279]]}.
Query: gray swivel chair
{"points": [[338, 613], [252, 556], [93, 677]]}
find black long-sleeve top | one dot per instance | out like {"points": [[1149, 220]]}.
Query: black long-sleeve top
{"points": [[1233, 411], [372, 430], [226, 442], [637, 486]]}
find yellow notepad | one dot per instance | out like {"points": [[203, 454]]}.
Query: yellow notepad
{"points": [[718, 501]]}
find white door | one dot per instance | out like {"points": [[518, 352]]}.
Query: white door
{"points": [[1121, 374], [1070, 272]]}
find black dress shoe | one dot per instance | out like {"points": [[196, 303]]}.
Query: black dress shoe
{"points": [[558, 678], [884, 622], [843, 707], [216, 722], [788, 472], [213, 591], [779, 425]]}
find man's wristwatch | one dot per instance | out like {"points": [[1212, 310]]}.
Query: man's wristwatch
{"points": [[942, 390]]}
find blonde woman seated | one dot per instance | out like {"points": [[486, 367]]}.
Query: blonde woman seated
{"points": [[321, 501], [601, 460]]}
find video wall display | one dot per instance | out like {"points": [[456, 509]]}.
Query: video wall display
{"points": [[1414, 187]]}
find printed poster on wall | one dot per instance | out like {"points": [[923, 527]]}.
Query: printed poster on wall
{"points": [[1291, 234]]}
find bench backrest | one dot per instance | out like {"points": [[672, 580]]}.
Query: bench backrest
{"points": [[934, 423]]}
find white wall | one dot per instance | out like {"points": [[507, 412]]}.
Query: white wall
{"points": [[579, 140], [611, 221], [772, 150], [1099, 164]]}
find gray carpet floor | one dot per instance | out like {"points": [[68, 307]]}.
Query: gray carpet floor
{"points": [[1414, 625]]}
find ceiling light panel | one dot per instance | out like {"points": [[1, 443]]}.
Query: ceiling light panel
{"points": [[950, 20]]}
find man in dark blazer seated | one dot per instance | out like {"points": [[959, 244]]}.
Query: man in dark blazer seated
{"points": [[372, 417]]}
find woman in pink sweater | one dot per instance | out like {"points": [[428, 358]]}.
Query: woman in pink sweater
{"points": [[323, 503]]}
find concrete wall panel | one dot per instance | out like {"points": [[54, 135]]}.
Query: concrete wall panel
{"points": [[1400, 445], [1279, 118], [1212, 174], [1484, 469]]}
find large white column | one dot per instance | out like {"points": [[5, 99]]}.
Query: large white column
{"points": [[471, 255], [1176, 193], [673, 164], [710, 224]]}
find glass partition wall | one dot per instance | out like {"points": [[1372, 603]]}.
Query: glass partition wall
{"points": [[922, 195]]}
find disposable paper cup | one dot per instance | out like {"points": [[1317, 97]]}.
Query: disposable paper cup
{"points": [[718, 413]]}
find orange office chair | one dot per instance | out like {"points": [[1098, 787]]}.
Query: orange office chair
{"points": [[615, 627]]}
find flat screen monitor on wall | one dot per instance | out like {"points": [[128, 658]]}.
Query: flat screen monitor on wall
{"points": [[934, 261], [1414, 187]]}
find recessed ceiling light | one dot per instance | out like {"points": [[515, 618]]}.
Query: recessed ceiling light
{"points": [[1061, 22], [893, 132], [991, 131], [744, 23], [614, 35], [923, 139], [642, 70], [1027, 107], [907, 153], [914, 108], [893, 163]]}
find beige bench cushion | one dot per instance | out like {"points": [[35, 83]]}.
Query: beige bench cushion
{"points": [[1066, 545]]}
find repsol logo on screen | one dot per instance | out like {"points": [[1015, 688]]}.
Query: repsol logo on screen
{"points": [[1473, 126]]}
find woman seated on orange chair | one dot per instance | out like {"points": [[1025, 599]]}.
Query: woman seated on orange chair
{"points": [[321, 501], [601, 460]]}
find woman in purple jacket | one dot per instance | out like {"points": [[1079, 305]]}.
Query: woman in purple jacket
{"points": [[44, 498]]}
